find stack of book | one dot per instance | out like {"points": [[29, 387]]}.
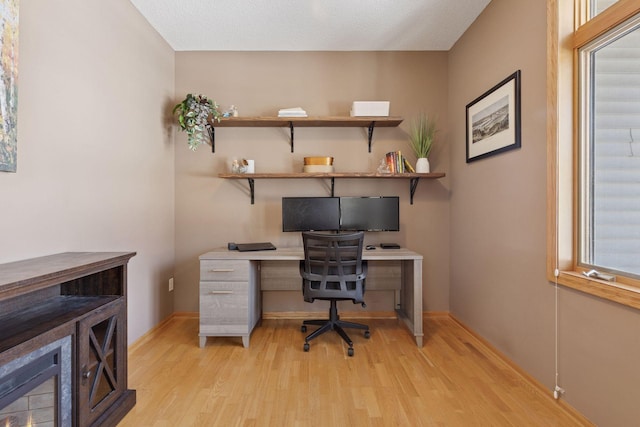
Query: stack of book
{"points": [[397, 163], [292, 112]]}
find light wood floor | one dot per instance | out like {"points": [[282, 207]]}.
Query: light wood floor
{"points": [[454, 380]]}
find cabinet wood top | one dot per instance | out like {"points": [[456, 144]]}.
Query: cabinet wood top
{"points": [[36, 273]]}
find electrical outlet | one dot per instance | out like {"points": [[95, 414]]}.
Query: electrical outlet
{"points": [[171, 284]]}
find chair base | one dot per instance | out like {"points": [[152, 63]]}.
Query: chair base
{"points": [[333, 323]]}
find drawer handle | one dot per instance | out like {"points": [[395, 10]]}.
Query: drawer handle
{"points": [[220, 292], [222, 270]]}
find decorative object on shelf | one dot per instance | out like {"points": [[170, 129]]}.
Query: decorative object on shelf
{"points": [[318, 164], [370, 109], [231, 112], [422, 165], [383, 167], [421, 137], [493, 120], [239, 166], [193, 117]]}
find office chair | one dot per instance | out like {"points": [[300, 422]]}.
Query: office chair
{"points": [[333, 270]]}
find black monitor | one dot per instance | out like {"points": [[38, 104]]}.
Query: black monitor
{"points": [[310, 213], [370, 213]]}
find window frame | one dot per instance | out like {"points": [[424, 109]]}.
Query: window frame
{"points": [[569, 28]]}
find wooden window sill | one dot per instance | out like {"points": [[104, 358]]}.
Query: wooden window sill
{"points": [[621, 293]]}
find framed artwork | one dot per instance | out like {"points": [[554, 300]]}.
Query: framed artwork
{"points": [[8, 85], [493, 120]]}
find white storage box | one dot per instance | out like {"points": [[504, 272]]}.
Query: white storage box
{"points": [[370, 108]]}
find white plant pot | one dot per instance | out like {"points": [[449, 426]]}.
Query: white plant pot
{"points": [[422, 165]]}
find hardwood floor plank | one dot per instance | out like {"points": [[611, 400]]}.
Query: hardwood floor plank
{"points": [[454, 380]]}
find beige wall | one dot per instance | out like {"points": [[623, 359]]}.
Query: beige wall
{"points": [[211, 212], [96, 172], [95, 161], [498, 285]]}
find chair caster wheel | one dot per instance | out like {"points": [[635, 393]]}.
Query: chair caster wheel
{"points": [[350, 351], [303, 328], [367, 334], [306, 346]]}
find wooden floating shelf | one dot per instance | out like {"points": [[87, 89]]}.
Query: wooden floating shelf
{"points": [[369, 122], [329, 121], [413, 177], [276, 175]]}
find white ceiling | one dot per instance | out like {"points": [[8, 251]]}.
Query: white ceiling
{"points": [[310, 25]]}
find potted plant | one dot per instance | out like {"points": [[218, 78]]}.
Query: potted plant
{"points": [[421, 137], [193, 117]]}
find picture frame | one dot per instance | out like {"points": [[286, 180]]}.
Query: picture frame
{"points": [[9, 86], [493, 120]]}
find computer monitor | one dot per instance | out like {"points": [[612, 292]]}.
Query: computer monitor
{"points": [[310, 213], [369, 214]]}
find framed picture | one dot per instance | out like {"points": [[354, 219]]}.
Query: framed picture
{"points": [[493, 120], [8, 85]]}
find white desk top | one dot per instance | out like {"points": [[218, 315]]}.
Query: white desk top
{"points": [[297, 253]]}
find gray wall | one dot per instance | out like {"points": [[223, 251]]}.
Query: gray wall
{"points": [[498, 247]]}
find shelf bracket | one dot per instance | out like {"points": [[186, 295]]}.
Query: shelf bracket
{"points": [[370, 134], [252, 189], [291, 128], [212, 136], [333, 186], [413, 184]]}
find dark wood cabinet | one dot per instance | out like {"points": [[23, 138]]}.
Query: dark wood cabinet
{"points": [[82, 295], [101, 367]]}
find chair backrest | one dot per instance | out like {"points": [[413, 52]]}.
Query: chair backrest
{"points": [[333, 266]]}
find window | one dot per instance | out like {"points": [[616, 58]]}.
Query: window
{"points": [[609, 150], [594, 141], [598, 6]]}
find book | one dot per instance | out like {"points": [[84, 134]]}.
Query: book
{"points": [[397, 163], [292, 112], [408, 166]]}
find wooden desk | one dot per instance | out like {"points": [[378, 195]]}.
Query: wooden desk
{"points": [[230, 289]]}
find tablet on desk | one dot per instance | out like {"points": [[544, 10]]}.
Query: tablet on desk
{"points": [[263, 246], [389, 246]]}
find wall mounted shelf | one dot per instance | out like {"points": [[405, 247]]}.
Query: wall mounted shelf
{"points": [[413, 178], [292, 122]]}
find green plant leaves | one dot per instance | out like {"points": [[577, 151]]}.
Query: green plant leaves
{"points": [[194, 113], [422, 135]]}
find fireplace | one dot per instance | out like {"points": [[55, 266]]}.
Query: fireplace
{"points": [[63, 337], [35, 389]]}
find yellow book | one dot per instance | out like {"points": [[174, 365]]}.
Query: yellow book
{"points": [[408, 166]]}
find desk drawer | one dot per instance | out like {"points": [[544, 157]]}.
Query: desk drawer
{"points": [[224, 270], [224, 303]]}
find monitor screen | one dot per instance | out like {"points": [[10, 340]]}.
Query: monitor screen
{"points": [[310, 214], [370, 213]]}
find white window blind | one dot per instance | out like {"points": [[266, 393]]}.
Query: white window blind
{"points": [[610, 187]]}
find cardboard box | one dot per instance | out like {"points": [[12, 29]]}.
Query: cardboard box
{"points": [[370, 108]]}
